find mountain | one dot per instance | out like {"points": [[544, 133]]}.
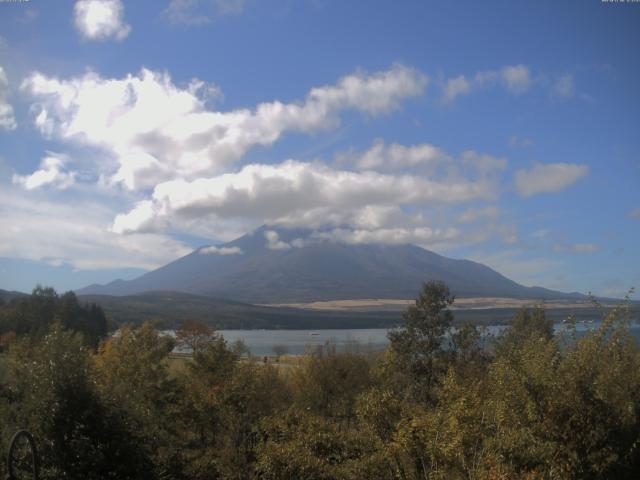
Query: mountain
{"points": [[291, 265], [7, 296]]}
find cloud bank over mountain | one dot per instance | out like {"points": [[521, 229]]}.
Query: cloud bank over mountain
{"points": [[189, 123]]}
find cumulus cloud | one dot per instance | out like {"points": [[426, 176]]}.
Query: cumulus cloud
{"points": [[296, 193], [7, 119], [550, 177], [207, 92], [143, 218], [472, 215], [51, 173], [390, 236], [157, 131], [101, 19], [424, 236], [213, 250], [58, 232], [484, 163], [274, 242], [395, 156], [564, 86], [456, 87], [429, 158], [516, 79], [576, 248]]}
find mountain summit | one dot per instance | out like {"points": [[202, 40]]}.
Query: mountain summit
{"points": [[277, 265]]}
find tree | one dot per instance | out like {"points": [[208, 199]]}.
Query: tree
{"points": [[34, 314], [194, 335], [280, 350], [418, 344], [240, 348], [305, 446], [528, 323], [328, 382], [133, 379], [54, 397]]}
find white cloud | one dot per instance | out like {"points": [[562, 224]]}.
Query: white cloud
{"points": [[424, 236], [550, 177], [296, 193], [429, 158], [207, 92], [274, 242], [396, 156], [157, 131], [101, 19], [514, 78], [182, 12], [576, 248], [51, 174], [483, 163], [34, 227], [390, 236], [473, 215], [142, 219], [455, 87], [564, 86], [7, 118], [220, 250]]}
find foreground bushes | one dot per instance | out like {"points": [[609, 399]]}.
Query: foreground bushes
{"points": [[533, 405]]}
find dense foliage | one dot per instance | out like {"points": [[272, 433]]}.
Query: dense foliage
{"points": [[434, 405], [33, 315]]}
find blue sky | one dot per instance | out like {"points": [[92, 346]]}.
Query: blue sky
{"points": [[506, 132]]}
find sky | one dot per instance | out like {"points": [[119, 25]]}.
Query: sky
{"points": [[506, 132]]}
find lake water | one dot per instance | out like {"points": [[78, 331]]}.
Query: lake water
{"points": [[298, 342]]}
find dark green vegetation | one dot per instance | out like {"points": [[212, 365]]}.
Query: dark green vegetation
{"points": [[169, 309], [319, 270], [534, 405], [6, 295], [32, 316]]}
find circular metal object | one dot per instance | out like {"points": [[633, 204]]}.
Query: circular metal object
{"points": [[22, 457]]}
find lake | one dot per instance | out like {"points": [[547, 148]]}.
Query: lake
{"points": [[298, 342]]}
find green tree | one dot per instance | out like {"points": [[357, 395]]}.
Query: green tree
{"points": [[224, 402], [194, 335], [528, 323], [328, 382], [132, 378], [53, 396], [419, 343], [304, 446], [33, 315]]}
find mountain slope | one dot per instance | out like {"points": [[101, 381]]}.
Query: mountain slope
{"points": [[170, 309], [6, 295], [318, 270]]}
